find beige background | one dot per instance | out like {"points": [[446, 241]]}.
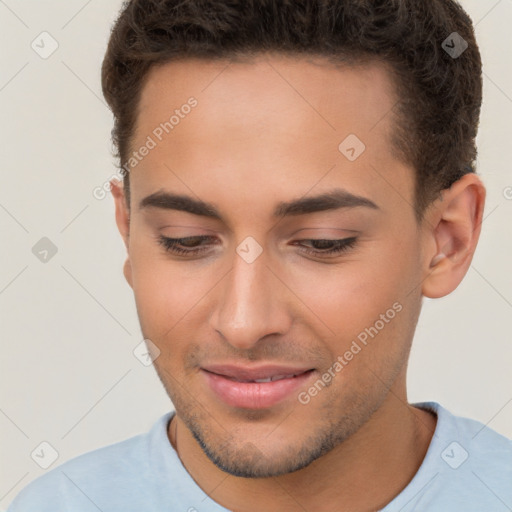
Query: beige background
{"points": [[69, 326]]}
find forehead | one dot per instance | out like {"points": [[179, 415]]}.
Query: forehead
{"points": [[271, 89], [275, 120]]}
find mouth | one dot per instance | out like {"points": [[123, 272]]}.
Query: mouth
{"points": [[273, 378], [255, 388]]}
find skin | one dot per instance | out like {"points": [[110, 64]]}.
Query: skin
{"points": [[265, 131]]}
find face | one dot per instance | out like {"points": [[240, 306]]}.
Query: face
{"points": [[302, 257]]}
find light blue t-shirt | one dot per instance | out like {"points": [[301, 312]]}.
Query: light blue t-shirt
{"points": [[467, 468]]}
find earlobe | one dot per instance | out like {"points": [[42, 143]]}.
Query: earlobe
{"points": [[454, 232], [127, 271]]}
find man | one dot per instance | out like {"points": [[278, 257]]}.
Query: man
{"points": [[297, 176]]}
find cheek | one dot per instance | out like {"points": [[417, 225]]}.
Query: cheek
{"points": [[348, 295], [165, 292], [363, 299]]}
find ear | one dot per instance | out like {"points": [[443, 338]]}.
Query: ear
{"points": [[452, 229], [123, 223]]}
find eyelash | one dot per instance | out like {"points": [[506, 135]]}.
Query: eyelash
{"points": [[171, 245]]}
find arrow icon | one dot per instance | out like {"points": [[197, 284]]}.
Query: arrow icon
{"points": [[44, 250], [454, 45], [454, 455], [146, 352], [44, 455], [44, 45], [352, 147], [249, 249]]}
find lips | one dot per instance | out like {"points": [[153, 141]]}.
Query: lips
{"points": [[257, 387], [245, 374], [266, 379]]}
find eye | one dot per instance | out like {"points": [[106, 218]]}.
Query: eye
{"points": [[189, 245], [193, 245], [329, 247]]}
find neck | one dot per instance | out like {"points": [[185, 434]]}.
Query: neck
{"points": [[363, 473]]}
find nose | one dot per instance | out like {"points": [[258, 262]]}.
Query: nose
{"points": [[251, 304]]}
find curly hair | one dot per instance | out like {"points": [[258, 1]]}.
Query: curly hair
{"points": [[439, 93]]}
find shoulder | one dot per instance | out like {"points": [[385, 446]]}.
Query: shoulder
{"points": [[93, 478], [468, 466], [473, 463], [481, 443]]}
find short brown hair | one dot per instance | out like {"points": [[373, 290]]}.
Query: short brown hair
{"points": [[439, 94]]}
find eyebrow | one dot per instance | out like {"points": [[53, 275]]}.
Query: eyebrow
{"points": [[332, 200]]}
